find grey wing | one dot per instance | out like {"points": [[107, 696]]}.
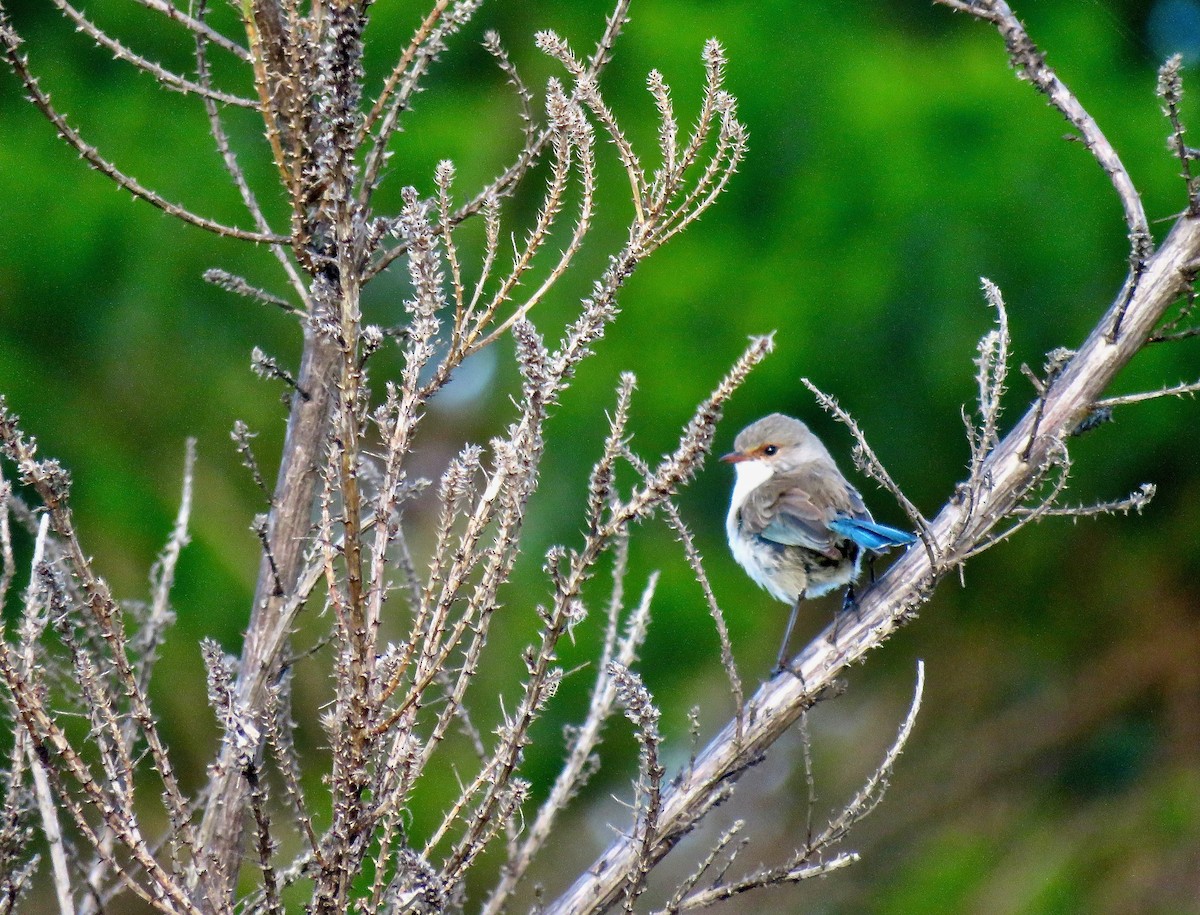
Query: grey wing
{"points": [[784, 513], [855, 507], [797, 510]]}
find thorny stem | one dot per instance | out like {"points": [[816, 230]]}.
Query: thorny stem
{"points": [[220, 829]]}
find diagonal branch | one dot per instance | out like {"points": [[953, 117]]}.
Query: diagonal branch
{"points": [[892, 601], [197, 27]]}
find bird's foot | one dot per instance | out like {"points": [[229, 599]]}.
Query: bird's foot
{"points": [[791, 667], [849, 605], [850, 602]]}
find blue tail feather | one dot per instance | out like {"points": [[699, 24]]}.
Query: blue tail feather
{"points": [[869, 535]]}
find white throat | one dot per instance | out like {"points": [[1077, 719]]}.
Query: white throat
{"points": [[750, 475]]}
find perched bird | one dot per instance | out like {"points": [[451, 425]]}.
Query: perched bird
{"points": [[795, 524]]}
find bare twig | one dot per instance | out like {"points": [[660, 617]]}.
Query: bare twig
{"points": [[1170, 90], [794, 873], [239, 286], [696, 563], [41, 101], [641, 710], [197, 27], [1031, 64], [47, 809], [869, 462], [505, 183], [1184, 389], [164, 76]]}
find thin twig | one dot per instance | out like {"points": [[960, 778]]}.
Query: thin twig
{"points": [[41, 101], [506, 182], [870, 463], [696, 562], [1031, 64], [1184, 389], [171, 80]]}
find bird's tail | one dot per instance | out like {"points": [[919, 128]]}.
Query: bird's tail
{"points": [[869, 535]]}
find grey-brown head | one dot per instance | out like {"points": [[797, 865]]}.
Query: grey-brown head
{"points": [[779, 442]]}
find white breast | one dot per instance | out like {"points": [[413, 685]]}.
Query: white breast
{"points": [[750, 476]]}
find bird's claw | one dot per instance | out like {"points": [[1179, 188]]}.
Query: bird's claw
{"points": [[792, 668]]}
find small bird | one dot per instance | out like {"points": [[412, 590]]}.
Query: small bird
{"points": [[795, 524]]}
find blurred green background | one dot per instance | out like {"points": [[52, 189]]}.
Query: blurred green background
{"points": [[894, 159]]}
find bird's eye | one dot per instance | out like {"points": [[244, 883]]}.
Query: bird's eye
{"points": [[771, 450]]}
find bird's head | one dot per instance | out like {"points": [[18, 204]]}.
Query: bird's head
{"points": [[774, 444]]}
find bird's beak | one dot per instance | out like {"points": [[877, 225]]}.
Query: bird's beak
{"points": [[734, 457]]}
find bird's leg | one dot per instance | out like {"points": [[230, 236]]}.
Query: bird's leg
{"points": [[849, 601], [781, 662], [849, 604]]}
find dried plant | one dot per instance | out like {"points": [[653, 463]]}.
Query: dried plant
{"points": [[89, 766]]}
